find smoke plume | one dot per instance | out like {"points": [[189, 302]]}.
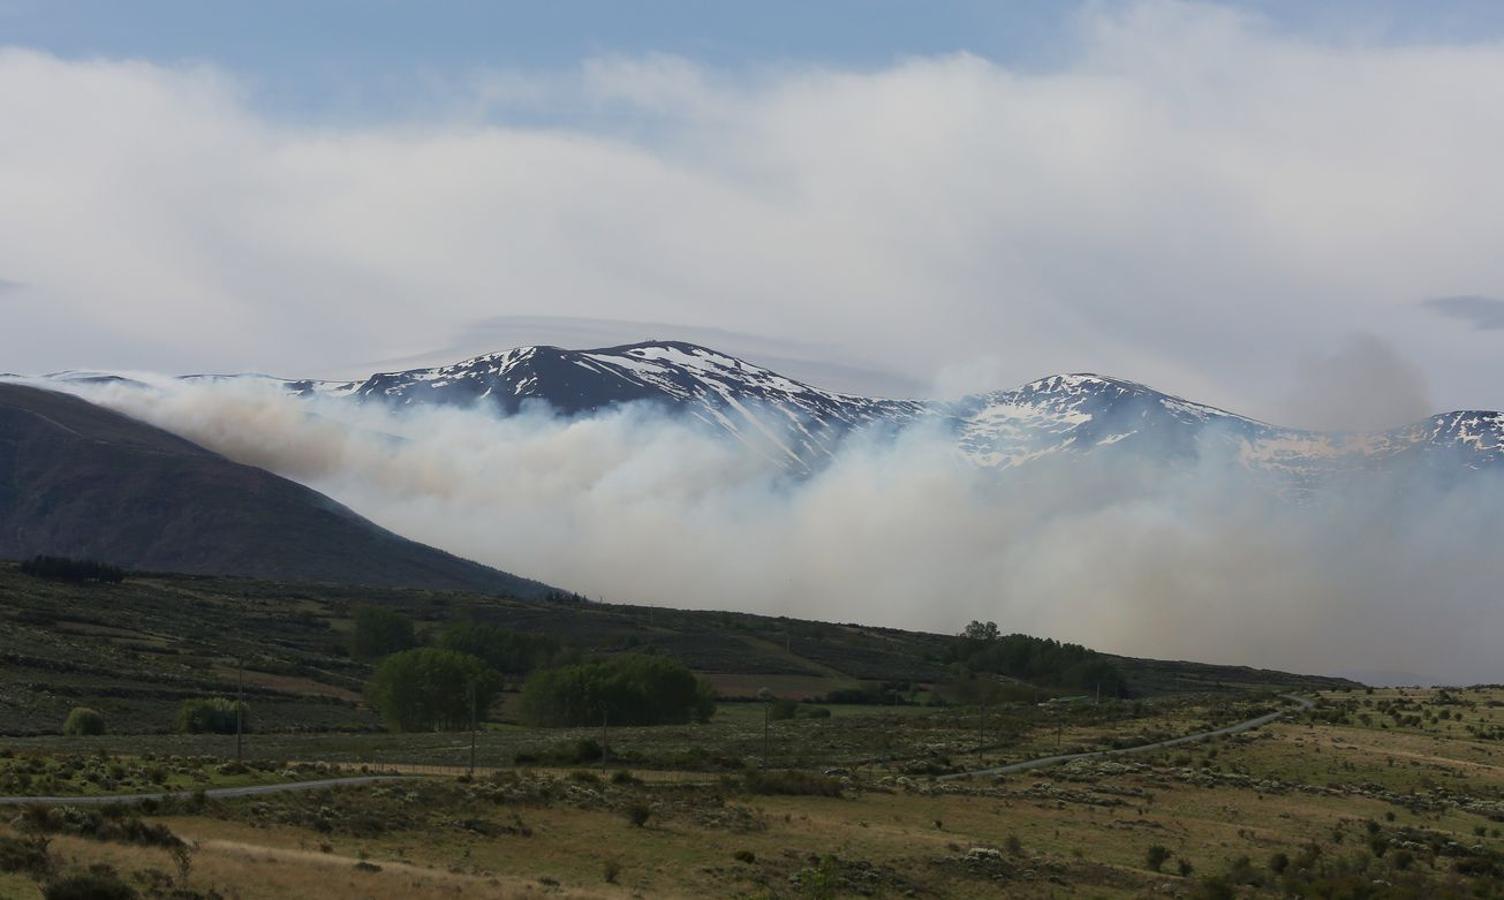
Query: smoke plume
{"points": [[1192, 560]]}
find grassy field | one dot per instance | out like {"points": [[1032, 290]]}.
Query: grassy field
{"points": [[936, 741], [1383, 793], [1399, 804]]}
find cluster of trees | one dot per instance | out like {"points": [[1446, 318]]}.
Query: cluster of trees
{"points": [[447, 681], [981, 648], [61, 568], [508, 652], [631, 689], [212, 715], [380, 632], [432, 689]]}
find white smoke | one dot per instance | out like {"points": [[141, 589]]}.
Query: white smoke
{"points": [[1196, 562]]}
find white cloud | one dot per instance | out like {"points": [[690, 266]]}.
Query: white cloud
{"points": [[1192, 200]]}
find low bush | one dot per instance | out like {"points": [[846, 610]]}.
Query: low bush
{"points": [[27, 856], [93, 885], [109, 823], [782, 709], [791, 783]]}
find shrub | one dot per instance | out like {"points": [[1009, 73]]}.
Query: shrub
{"points": [[212, 715], [83, 721], [1157, 856], [380, 632], [25, 855], [744, 856], [100, 824], [429, 689], [1014, 845], [630, 689], [782, 709], [638, 813], [611, 870], [791, 783], [99, 883]]}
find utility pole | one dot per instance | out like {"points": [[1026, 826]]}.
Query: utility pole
{"points": [[474, 725], [766, 716], [239, 706], [605, 740], [982, 720], [767, 705]]}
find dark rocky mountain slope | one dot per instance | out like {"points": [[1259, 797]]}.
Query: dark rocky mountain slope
{"points": [[79, 480]]}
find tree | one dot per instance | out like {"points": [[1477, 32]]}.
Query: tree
{"points": [[61, 568], [631, 689], [379, 632], [431, 689], [212, 715], [1157, 856], [980, 631], [508, 652], [83, 721], [981, 648]]}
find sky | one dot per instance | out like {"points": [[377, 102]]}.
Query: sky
{"points": [[1292, 210]]}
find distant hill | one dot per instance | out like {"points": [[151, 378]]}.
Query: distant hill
{"points": [[137, 649], [81, 481]]}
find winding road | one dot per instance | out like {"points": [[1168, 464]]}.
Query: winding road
{"points": [[1302, 705], [251, 790]]}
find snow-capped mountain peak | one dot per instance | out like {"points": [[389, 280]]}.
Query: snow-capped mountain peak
{"points": [[800, 426]]}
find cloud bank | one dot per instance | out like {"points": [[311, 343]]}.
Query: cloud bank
{"points": [[1188, 198], [1198, 562]]}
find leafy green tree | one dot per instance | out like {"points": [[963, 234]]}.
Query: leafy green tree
{"points": [[980, 631], [83, 721], [981, 648], [631, 689], [379, 632], [431, 689], [212, 715], [506, 651]]}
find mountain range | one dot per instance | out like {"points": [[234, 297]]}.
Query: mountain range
{"points": [[80, 480], [801, 426]]}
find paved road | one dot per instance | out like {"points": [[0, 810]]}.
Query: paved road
{"points": [[213, 793], [1043, 761]]}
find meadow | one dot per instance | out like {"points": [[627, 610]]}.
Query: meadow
{"points": [[1386, 793]]}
